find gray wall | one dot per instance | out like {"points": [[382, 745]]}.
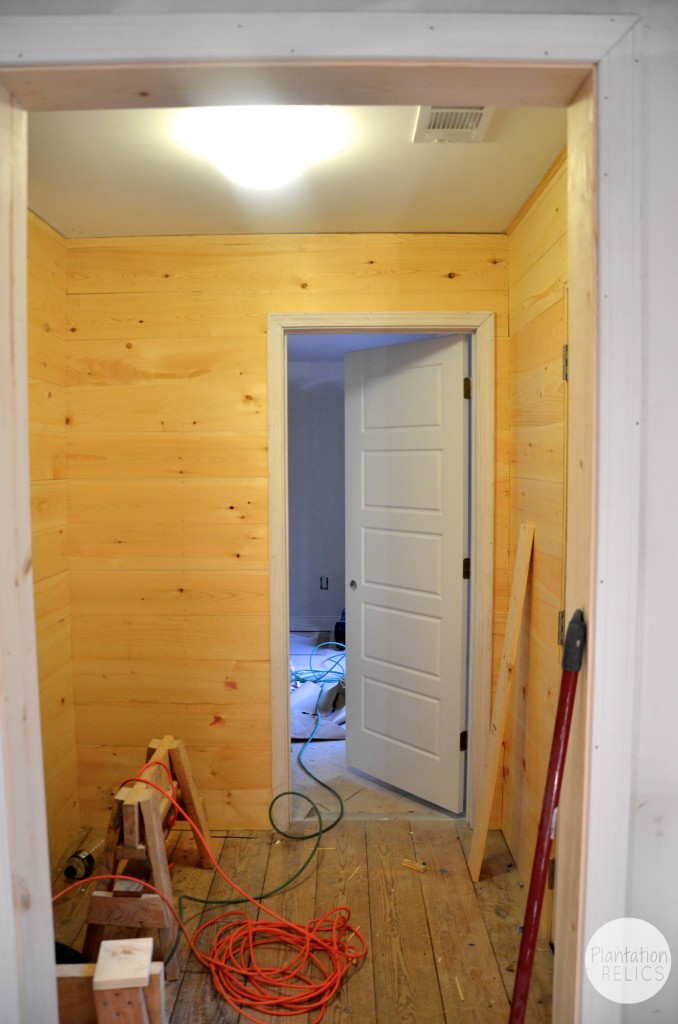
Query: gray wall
{"points": [[315, 418], [251, 6]]}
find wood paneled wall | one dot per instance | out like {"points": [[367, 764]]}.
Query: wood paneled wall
{"points": [[47, 413], [167, 478], [538, 411]]}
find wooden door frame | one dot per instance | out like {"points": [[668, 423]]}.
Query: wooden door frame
{"points": [[164, 60], [480, 327]]}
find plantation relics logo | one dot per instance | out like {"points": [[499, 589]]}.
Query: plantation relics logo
{"points": [[628, 960]]}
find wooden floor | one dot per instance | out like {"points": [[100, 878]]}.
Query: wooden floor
{"points": [[440, 949]]}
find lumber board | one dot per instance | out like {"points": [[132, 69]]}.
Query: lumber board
{"points": [[154, 837], [192, 502], [76, 994], [148, 637], [47, 453], [46, 277], [294, 903], [205, 728], [109, 363], [541, 287], [56, 706], [500, 710], [500, 896], [583, 317], [190, 879], [146, 911], [60, 775], [128, 1004], [175, 406], [198, 1002], [46, 410], [250, 263], [46, 344], [140, 545], [169, 593], [50, 552], [244, 858], [131, 795], [53, 644], [125, 456], [48, 504], [219, 754], [470, 981], [542, 224], [343, 880], [186, 316], [191, 801], [51, 598], [405, 976], [171, 680], [538, 276]]}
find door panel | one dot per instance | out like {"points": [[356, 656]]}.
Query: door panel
{"points": [[406, 537]]}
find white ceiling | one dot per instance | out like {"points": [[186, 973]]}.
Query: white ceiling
{"points": [[120, 173]]}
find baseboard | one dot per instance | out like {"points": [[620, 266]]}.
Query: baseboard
{"points": [[311, 624]]}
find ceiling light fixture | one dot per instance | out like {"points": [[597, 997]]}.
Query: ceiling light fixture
{"points": [[263, 147]]}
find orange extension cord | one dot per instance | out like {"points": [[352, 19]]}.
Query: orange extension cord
{"points": [[321, 952]]}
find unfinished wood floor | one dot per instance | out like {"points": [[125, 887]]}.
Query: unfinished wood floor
{"points": [[440, 949]]}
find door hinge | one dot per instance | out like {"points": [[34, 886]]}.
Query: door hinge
{"points": [[561, 627], [566, 362], [466, 569], [467, 387], [552, 874], [463, 741]]}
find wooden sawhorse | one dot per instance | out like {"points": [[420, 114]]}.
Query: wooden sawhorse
{"points": [[140, 821]]}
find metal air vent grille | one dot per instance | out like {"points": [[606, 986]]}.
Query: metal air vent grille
{"points": [[451, 124]]}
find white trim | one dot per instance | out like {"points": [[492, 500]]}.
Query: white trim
{"points": [[615, 584], [27, 977], [292, 37], [482, 554], [481, 328]]}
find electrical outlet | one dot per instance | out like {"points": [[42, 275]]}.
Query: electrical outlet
{"points": [[324, 583]]}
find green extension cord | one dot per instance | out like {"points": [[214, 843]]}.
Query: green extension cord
{"points": [[323, 677]]}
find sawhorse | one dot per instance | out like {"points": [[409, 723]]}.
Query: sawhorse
{"points": [[135, 845]]}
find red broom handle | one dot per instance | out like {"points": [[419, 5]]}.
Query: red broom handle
{"points": [[575, 641]]}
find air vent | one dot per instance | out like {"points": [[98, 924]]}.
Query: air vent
{"points": [[451, 124]]}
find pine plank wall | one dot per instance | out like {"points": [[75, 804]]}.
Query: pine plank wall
{"points": [[538, 409], [149, 470]]}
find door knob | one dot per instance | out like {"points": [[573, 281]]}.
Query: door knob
{"points": [[353, 585]]}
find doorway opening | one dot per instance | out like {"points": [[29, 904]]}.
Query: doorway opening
{"points": [[408, 564], [283, 328]]}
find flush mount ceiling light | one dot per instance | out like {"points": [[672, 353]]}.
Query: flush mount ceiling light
{"points": [[263, 147]]}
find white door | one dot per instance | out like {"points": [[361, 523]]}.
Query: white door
{"points": [[406, 539]]}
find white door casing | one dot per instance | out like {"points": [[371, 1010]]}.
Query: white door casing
{"points": [[481, 329], [406, 539]]}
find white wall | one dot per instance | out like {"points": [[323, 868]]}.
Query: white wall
{"points": [[653, 892], [315, 423], [89, 7]]}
